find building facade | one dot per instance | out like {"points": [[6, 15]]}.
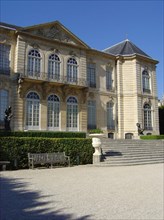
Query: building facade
{"points": [[54, 81]]}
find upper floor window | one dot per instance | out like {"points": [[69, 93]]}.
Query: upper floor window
{"points": [[34, 63], [53, 105], [4, 103], [146, 81], [54, 67], [91, 114], [4, 59], [32, 110], [109, 80], [72, 114], [147, 117], [91, 75], [110, 115], [72, 70]]}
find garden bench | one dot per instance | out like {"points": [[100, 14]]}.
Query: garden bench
{"points": [[48, 159], [4, 164]]}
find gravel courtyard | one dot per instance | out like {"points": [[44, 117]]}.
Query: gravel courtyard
{"points": [[83, 193]]}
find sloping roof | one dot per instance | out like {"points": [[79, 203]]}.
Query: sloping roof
{"points": [[9, 26], [125, 48]]}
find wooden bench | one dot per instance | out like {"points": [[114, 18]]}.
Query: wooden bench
{"points": [[4, 164], [48, 159]]}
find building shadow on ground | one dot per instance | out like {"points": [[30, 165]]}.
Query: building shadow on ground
{"points": [[17, 203]]}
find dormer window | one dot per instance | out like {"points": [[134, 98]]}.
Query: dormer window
{"points": [[146, 81]]}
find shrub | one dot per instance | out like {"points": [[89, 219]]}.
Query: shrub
{"points": [[152, 137], [95, 131], [12, 148], [47, 134]]}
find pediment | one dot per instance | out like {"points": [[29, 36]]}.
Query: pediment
{"points": [[55, 31]]}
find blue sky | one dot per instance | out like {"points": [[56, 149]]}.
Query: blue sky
{"points": [[99, 24]]}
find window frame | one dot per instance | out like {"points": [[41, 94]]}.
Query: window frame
{"points": [[55, 112], [91, 115], [32, 117], [72, 70], [109, 78], [110, 115], [5, 51], [54, 67], [91, 75], [4, 103], [72, 114], [34, 63], [147, 117], [146, 82]]}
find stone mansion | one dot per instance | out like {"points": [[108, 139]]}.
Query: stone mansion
{"points": [[55, 82]]}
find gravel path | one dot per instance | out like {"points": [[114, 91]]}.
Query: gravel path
{"points": [[83, 193]]}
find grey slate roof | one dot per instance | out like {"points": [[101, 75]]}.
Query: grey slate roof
{"points": [[125, 48]]}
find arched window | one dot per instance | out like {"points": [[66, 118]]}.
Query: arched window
{"points": [[4, 103], [147, 117], [72, 114], [54, 67], [34, 62], [91, 114], [110, 115], [53, 111], [32, 111], [72, 70], [146, 81]]}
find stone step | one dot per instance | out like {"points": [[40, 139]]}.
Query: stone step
{"points": [[134, 163], [131, 152]]}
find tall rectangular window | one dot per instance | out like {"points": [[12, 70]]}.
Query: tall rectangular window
{"points": [[91, 114], [91, 75], [4, 102], [4, 59], [109, 80]]}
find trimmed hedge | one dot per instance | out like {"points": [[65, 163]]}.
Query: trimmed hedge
{"points": [[152, 137], [46, 134], [12, 148]]}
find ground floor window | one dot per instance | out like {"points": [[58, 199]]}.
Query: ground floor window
{"points": [[32, 111], [72, 114], [4, 103], [147, 117], [91, 114], [53, 110], [110, 115]]}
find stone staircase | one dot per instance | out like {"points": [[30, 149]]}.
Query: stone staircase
{"points": [[131, 152]]}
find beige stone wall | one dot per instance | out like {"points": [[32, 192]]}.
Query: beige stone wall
{"points": [[127, 96]]}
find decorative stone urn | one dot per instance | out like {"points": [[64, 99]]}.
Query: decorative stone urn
{"points": [[96, 143]]}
